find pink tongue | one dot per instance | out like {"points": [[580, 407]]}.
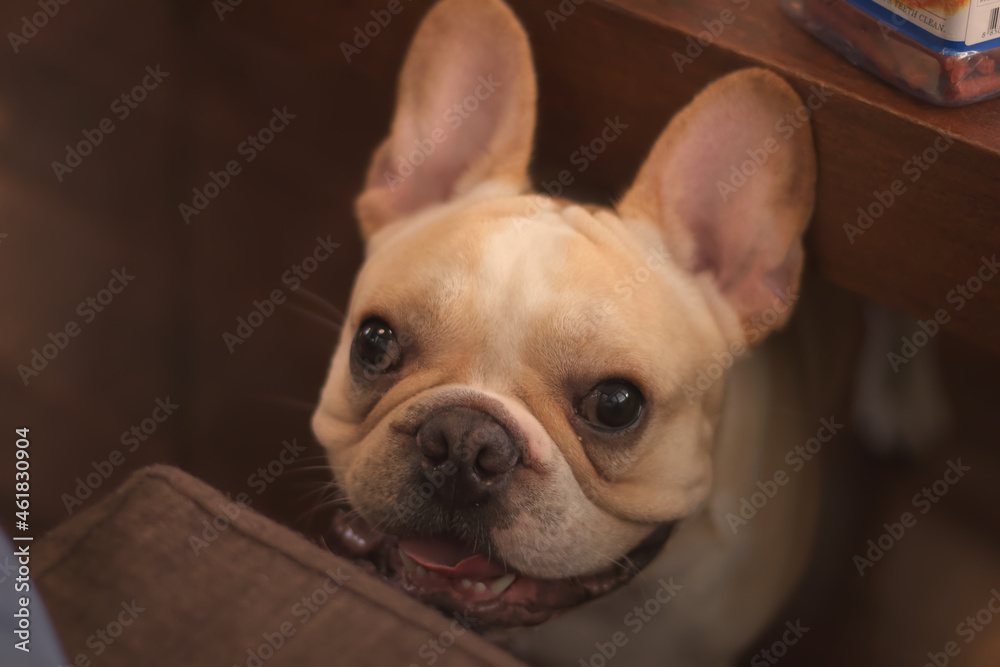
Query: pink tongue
{"points": [[450, 558]]}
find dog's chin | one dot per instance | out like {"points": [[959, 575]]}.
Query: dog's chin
{"points": [[442, 572]]}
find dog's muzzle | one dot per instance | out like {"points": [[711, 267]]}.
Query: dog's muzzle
{"points": [[465, 457]]}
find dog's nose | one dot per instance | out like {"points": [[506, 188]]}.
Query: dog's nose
{"points": [[471, 449]]}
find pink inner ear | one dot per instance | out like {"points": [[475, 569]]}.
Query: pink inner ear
{"points": [[729, 233], [457, 113], [731, 189]]}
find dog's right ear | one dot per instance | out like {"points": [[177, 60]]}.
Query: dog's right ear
{"points": [[744, 236], [465, 113]]}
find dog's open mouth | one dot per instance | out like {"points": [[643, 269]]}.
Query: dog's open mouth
{"points": [[445, 573]]}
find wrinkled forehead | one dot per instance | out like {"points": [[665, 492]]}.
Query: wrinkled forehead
{"points": [[514, 257], [564, 288]]}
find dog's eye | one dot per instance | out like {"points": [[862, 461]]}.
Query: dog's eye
{"points": [[612, 404], [376, 347]]}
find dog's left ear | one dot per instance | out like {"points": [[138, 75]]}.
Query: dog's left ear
{"points": [[465, 113], [730, 186]]}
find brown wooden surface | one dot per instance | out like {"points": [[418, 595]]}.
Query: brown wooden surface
{"points": [[616, 58]]}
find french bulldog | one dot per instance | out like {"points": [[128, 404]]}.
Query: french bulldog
{"points": [[533, 401]]}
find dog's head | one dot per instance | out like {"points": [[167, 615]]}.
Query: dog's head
{"points": [[516, 413]]}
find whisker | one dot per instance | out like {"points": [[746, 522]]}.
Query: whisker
{"points": [[382, 523], [316, 298], [315, 317], [315, 508], [320, 506], [321, 495]]}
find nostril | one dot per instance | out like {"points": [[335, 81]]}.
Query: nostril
{"points": [[433, 444], [435, 458], [478, 451], [490, 473], [495, 460], [495, 453]]}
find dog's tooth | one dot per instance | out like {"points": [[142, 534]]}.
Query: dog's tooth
{"points": [[466, 583], [500, 584], [421, 571], [408, 562], [480, 587]]}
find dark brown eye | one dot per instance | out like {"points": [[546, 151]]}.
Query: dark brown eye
{"points": [[375, 346], [612, 405]]}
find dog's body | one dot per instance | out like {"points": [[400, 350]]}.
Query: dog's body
{"points": [[513, 434]]}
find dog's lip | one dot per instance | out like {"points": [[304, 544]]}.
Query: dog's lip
{"points": [[483, 589]]}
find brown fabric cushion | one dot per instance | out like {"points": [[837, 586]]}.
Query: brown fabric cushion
{"points": [[251, 585]]}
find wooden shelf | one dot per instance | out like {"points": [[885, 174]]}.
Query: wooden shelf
{"points": [[617, 58]]}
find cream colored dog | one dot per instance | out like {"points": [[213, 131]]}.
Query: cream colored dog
{"points": [[530, 394]]}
